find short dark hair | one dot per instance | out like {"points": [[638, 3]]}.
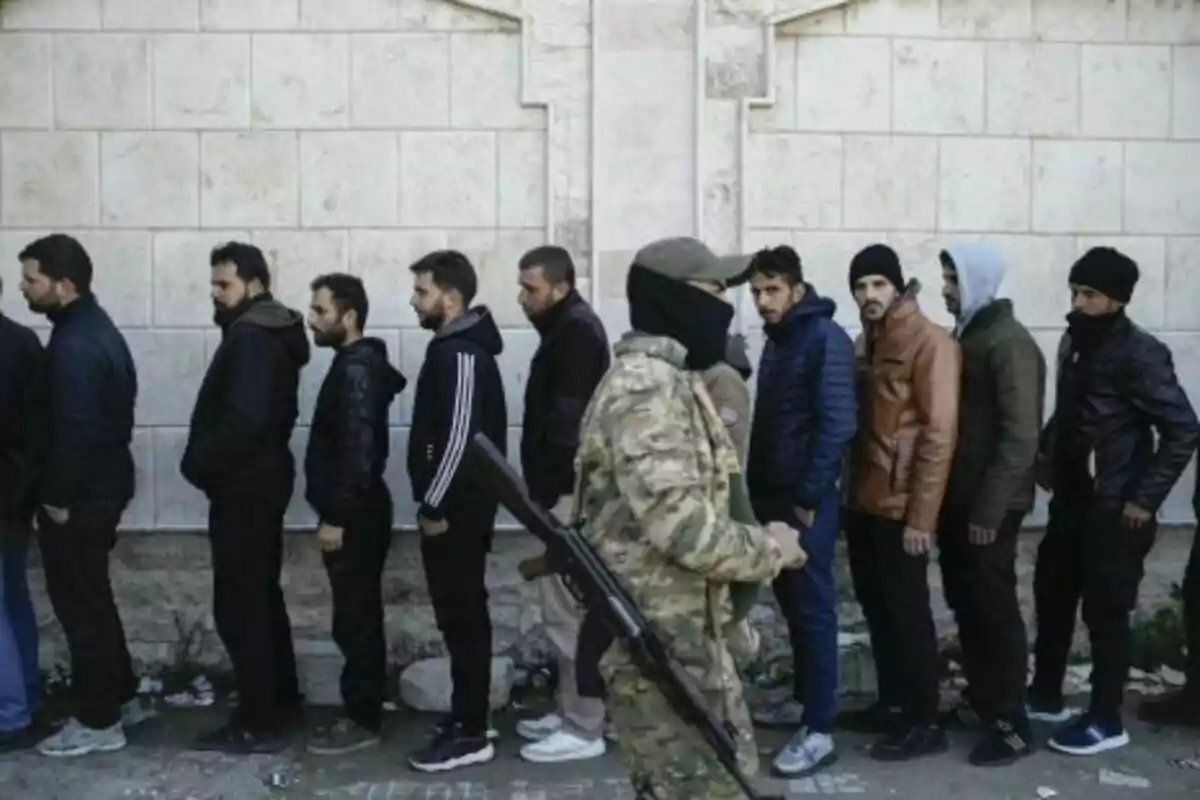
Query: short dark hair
{"points": [[450, 270], [778, 262], [348, 294], [248, 260], [61, 258], [555, 262]]}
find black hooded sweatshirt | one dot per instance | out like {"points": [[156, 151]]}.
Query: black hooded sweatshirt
{"points": [[348, 444], [241, 427], [459, 394]]}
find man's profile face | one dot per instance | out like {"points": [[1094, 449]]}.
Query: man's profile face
{"points": [[228, 290], [327, 323], [428, 301], [40, 292], [773, 296], [951, 291], [1092, 303], [874, 295], [538, 295]]}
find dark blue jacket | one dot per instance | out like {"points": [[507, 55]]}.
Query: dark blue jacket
{"points": [[805, 414], [23, 406], [93, 389]]}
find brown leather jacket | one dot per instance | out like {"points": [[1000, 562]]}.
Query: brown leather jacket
{"points": [[908, 385]]}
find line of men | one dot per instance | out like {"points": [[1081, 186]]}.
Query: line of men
{"points": [[911, 435]]}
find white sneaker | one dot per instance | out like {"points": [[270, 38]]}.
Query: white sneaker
{"points": [[561, 746], [74, 739], [535, 730], [805, 755]]}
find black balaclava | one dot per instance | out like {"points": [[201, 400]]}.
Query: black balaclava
{"points": [[1111, 273], [661, 306]]}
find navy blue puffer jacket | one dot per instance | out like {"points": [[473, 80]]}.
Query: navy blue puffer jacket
{"points": [[805, 414]]}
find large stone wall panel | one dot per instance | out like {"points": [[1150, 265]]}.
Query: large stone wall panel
{"points": [[349, 179], [1077, 186], [57, 15], [888, 182], [177, 504], [182, 294], [1163, 21], [1160, 187], [1183, 283], [49, 179], [1185, 120], [987, 19], [150, 180], [795, 181], [448, 179], [25, 79], [361, 15], [400, 80], [1032, 89], [301, 80], [1126, 91], [102, 81], [249, 179], [485, 83], [893, 18], [215, 97], [859, 68], [170, 365], [249, 15], [1080, 20], [158, 15], [970, 169], [297, 256], [382, 258], [937, 87]]}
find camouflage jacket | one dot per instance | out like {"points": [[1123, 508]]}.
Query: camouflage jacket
{"points": [[654, 467]]}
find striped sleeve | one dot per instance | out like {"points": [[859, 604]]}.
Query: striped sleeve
{"points": [[452, 441]]}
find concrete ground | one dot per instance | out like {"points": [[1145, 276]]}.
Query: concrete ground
{"points": [[158, 765]]}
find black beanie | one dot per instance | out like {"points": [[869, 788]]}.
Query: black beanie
{"points": [[878, 259], [1108, 271]]}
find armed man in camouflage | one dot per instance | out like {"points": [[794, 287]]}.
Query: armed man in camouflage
{"points": [[655, 464]]}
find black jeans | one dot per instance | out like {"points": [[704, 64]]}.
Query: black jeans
{"points": [[75, 560], [1087, 554], [893, 589], [980, 584], [1191, 616], [455, 572], [246, 535], [356, 579]]}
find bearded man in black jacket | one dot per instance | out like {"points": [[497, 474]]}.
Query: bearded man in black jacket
{"points": [[238, 453], [1109, 473], [348, 448], [570, 361]]}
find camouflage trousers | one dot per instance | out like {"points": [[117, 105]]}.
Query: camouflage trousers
{"points": [[667, 759]]}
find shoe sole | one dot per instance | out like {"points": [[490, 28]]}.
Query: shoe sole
{"points": [[1111, 743], [318, 750], [471, 759], [1057, 718], [807, 772], [535, 758], [493, 734], [530, 736], [83, 751]]}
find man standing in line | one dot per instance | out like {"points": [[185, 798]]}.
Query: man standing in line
{"points": [[22, 436], [1116, 388], [991, 489], [1182, 707], [570, 361], [908, 374], [459, 394], [86, 482], [238, 454], [348, 449], [804, 421]]}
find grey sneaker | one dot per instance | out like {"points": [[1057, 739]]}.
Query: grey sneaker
{"points": [[786, 713], [74, 739], [343, 736], [805, 755]]}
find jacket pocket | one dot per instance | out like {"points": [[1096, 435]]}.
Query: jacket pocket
{"points": [[902, 463]]}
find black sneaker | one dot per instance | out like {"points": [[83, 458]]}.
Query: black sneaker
{"points": [[876, 718], [1002, 745], [234, 739], [1179, 709], [447, 722], [913, 742], [343, 736], [451, 750]]}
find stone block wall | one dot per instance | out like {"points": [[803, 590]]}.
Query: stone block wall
{"points": [[360, 134]]}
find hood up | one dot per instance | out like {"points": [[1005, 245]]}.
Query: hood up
{"points": [[811, 305], [980, 269], [375, 350], [476, 325], [284, 323]]}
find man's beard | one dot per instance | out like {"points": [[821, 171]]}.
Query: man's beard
{"points": [[334, 337], [433, 320], [225, 316], [46, 306]]}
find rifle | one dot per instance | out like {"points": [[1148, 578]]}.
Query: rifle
{"points": [[594, 585]]}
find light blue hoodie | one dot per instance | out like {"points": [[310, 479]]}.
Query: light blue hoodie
{"points": [[981, 270]]}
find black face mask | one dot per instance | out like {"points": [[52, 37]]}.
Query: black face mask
{"points": [[696, 319], [1089, 330]]}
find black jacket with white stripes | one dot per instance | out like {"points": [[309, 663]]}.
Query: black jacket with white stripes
{"points": [[459, 393]]}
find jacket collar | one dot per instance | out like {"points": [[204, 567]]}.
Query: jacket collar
{"points": [[660, 347], [546, 323], [73, 309], [986, 317]]}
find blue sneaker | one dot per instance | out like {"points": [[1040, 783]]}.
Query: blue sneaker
{"points": [[1088, 737]]}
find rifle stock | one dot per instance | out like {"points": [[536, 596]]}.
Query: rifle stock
{"points": [[594, 584]]}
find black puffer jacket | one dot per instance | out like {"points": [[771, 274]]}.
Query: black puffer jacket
{"points": [[1112, 398], [348, 444], [246, 409]]}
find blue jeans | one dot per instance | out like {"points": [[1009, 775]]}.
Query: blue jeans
{"points": [[19, 690], [808, 598]]}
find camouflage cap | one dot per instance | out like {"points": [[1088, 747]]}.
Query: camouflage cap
{"points": [[684, 258]]}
